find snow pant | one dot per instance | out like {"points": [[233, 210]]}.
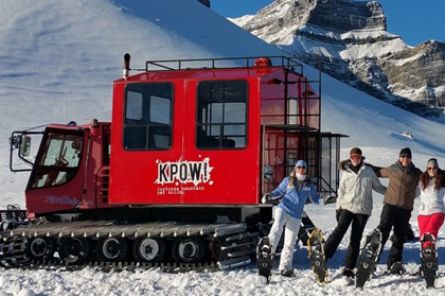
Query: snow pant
{"points": [[429, 224], [292, 227], [397, 218], [358, 225]]}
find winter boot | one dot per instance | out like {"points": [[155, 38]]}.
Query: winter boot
{"points": [[287, 273], [397, 268], [348, 272]]}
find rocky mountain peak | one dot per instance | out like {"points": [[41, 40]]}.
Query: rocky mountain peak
{"points": [[279, 21], [347, 15], [350, 39], [422, 75]]}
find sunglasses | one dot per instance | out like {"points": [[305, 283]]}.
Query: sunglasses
{"points": [[405, 156], [356, 157], [300, 167], [432, 168]]}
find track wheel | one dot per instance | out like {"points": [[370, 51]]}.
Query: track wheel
{"points": [[188, 250], [73, 250], [111, 249], [40, 248], [148, 250]]}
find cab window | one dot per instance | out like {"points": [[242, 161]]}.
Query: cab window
{"points": [[59, 161], [222, 114], [148, 118]]}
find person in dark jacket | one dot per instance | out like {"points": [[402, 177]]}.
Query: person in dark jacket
{"points": [[398, 204], [354, 206]]}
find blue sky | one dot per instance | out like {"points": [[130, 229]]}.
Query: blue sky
{"points": [[414, 20]]}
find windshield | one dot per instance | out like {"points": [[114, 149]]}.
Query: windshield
{"points": [[60, 159]]}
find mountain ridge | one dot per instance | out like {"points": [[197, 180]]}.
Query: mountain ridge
{"points": [[350, 41]]}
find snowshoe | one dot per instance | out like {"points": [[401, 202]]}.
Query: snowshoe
{"points": [[367, 259], [428, 267], [264, 258], [306, 228], [316, 254]]}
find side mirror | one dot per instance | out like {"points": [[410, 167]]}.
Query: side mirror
{"points": [[25, 146]]}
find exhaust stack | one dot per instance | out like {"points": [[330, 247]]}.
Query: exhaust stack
{"points": [[126, 66]]}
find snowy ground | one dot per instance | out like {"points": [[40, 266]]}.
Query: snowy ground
{"points": [[241, 281], [57, 63], [236, 282]]}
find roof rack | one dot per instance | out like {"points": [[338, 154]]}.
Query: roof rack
{"points": [[223, 63]]}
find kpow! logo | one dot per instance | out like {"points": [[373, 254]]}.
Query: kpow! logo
{"points": [[195, 172]]}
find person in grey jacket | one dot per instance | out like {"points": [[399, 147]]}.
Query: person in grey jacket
{"points": [[354, 206]]}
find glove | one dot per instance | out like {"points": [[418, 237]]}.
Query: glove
{"points": [[266, 198], [337, 214]]}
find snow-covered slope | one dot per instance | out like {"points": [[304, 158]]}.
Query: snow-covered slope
{"points": [[58, 58], [57, 63]]}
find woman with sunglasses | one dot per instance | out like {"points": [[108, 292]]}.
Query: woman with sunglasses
{"points": [[293, 191], [431, 207]]}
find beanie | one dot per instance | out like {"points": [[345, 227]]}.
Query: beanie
{"points": [[301, 163], [405, 152], [432, 162]]}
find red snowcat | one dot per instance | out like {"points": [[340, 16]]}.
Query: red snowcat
{"points": [[176, 178]]}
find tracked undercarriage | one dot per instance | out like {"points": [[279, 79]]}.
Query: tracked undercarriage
{"points": [[170, 245]]}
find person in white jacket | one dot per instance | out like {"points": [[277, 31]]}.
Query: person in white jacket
{"points": [[431, 208], [354, 206]]}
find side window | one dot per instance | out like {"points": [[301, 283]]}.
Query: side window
{"points": [[148, 116], [222, 114]]}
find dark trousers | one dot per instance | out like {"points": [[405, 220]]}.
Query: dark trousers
{"points": [[358, 225], [397, 217]]}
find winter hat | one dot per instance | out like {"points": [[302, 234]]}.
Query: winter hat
{"points": [[356, 151], [432, 162], [405, 152], [301, 163]]}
